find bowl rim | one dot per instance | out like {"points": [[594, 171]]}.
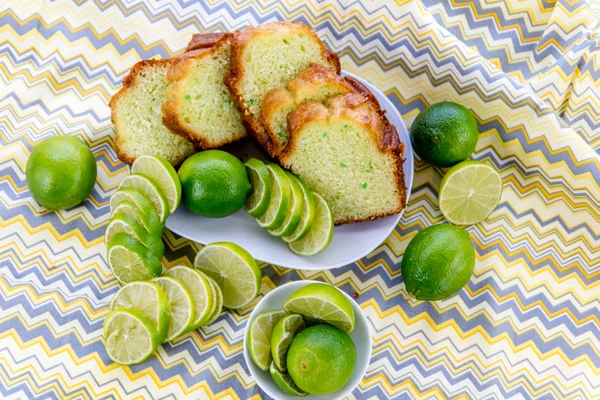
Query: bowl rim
{"points": [[292, 286]]}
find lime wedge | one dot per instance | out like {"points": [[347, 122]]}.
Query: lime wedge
{"points": [[198, 287], [145, 186], [130, 260], [321, 232], [162, 173], [130, 337], [181, 307], [285, 382], [234, 270], [146, 217], [148, 298], [294, 211], [307, 215], [259, 337], [469, 192], [260, 192], [279, 200], [282, 337], [218, 297], [123, 223], [323, 303]]}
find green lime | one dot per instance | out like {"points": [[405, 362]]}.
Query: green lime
{"points": [[280, 197], [321, 231], [123, 223], [233, 269], [282, 337], [215, 183], [322, 302], [294, 211], [148, 188], [444, 134], [197, 285], [61, 172], [306, 217], [129, 336], [469, 192], [285, 382], [146, 217], [181, 307], [150, 299], [162, 173], [259, 337], [321, 359], [130, 260], [260, 191], [438, 262], [218, 300]]}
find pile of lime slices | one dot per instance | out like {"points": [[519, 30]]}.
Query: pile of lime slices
{"points": [[284, 205]]}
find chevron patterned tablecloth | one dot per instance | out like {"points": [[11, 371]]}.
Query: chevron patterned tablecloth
{"points": [[527, 324]]}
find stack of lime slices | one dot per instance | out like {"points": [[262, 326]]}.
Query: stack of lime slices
{"points": [[139, 209], [284, 205]]}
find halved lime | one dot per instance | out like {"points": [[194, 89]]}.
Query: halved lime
{"points": [[197, 284], [181, 307], [259, 337], [234, 270], [469, 192], [285, 382], [123, 223], [218, 301], [321, 232], [260, 192], [146, 217], [324, 303], [150, 190], [307, 216], [150, 299], [162, 173], [294, 211], [282, 337], [130, 337], [279, 200], [130, 260]]}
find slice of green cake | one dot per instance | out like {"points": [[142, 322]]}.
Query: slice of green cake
{"points": [[137, 116], [347, 151]]}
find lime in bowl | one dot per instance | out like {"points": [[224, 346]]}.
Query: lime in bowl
{"points": [[360, 335]]}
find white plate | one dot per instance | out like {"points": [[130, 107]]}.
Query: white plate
{"points": [[350, 242], [361, 336]]}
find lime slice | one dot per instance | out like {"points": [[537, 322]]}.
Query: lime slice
{"points": [[130, 337], [324, 303], [218, 301], [146, 217], [123, 223], [321, 232], [285, 382], [282, 337], [294, 211], [279, 200], [148, 298], [260, 194], [259, 337], [306, 217], [130, 260], [197, 284], [469, 192], [234, 270], [162, 173], [149, 189], [181, 307]]}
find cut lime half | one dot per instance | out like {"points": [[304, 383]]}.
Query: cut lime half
{"points": [[259, 337], [282, 337]]}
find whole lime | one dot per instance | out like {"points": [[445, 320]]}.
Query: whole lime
{"points": [[61, 172], [438, 262], [214, 183], [321, 359], [444, 134]]}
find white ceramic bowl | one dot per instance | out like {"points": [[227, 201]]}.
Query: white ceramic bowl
{"points": [[350, 242], [361, 336]]}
